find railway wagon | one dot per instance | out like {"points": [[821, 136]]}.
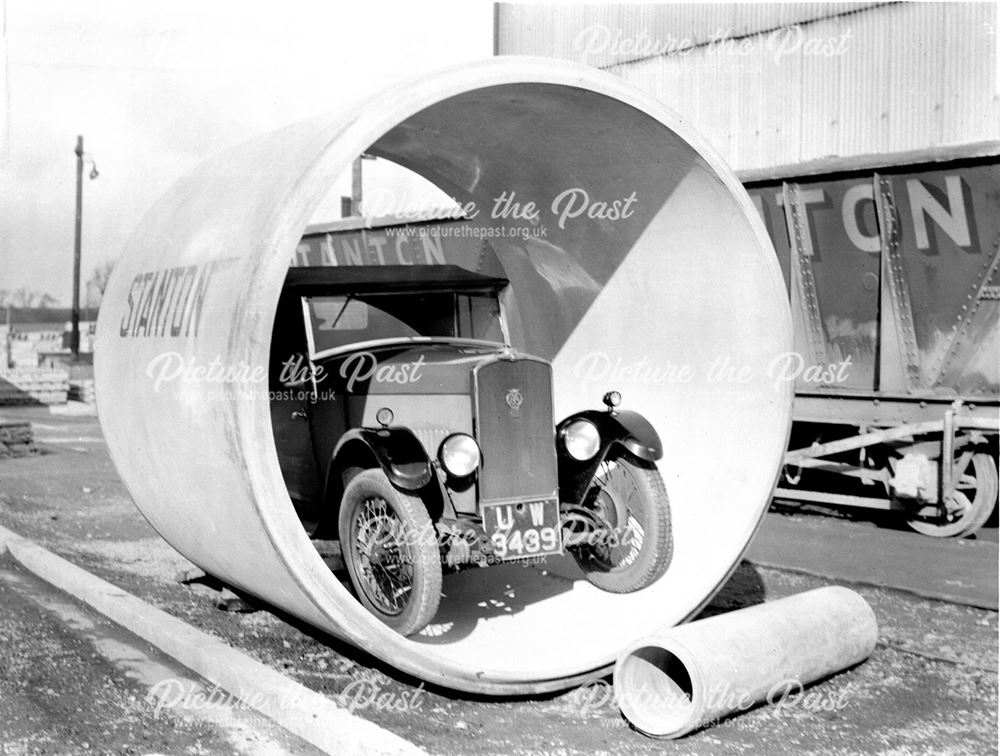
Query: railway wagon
{"points": [[891, 265]]}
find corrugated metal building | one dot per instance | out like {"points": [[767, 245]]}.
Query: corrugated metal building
{"points": [[775, 84]]}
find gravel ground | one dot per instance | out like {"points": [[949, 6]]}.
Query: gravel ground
{"points": [[48, 701], [930, 686], [74, 682]]}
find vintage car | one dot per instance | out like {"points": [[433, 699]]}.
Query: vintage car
{"points": [[408, 428]]}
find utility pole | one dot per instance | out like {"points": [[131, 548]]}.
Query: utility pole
{"points": [[74, 337], [356, 186], [9, 363], [351, 206], [81, 158]]}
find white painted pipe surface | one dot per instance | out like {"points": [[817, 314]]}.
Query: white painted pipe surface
{"points": [[686, 677], [681, 306]]}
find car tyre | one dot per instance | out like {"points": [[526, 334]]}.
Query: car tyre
{"points": [[640, 549], [391, 552]]}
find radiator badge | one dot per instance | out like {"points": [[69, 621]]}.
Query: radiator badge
{"points": [[514, 400]]}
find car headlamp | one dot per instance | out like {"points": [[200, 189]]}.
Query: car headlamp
{"points": [[460, 455], [581, 440]]}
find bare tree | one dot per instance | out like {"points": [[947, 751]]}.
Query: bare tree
{"points": [[24, 298], [98, 282]]}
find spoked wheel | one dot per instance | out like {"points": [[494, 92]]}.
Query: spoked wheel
{"points": [[620, 536], [975, 497], [391, 552]]}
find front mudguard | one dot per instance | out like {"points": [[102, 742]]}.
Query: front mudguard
{"points": [[622, 429], [397, 451]]}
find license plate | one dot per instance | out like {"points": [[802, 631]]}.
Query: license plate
{"points": [[523, 529]]}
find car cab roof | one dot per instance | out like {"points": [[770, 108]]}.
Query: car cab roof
{"points": [[346, 279]]}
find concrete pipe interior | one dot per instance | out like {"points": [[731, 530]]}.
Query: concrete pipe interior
{"points": [[679, 306], [663, 695]]}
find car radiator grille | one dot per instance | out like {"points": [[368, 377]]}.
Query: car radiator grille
{"points": [[514, 427]]}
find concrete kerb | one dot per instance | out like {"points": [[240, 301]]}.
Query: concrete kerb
{"points": [[309, 715]]}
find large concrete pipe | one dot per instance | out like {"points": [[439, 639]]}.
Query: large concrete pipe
{"points": [[687, 677], [679, 303]]}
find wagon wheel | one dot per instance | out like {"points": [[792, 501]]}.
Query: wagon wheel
{"points": [[975, 476]]}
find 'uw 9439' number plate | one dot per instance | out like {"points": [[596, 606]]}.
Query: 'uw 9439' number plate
{"points": [[523, 529]]}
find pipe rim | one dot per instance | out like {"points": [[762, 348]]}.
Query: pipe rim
{"points": [[660, 688], [250, 418]]}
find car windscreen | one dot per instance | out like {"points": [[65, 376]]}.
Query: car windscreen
{"points": [[337, 321]]}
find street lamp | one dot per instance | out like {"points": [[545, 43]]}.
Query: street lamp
{"points": [[81, 157]]}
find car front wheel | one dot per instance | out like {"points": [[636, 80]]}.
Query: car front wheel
{"points": [[391, 552], [620, 535]]}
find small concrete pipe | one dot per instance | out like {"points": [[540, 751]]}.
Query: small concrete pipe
{"points": [[689, 676], [680, 306]]}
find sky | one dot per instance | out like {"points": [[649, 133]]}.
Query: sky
{"points": [[157, 86]]}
